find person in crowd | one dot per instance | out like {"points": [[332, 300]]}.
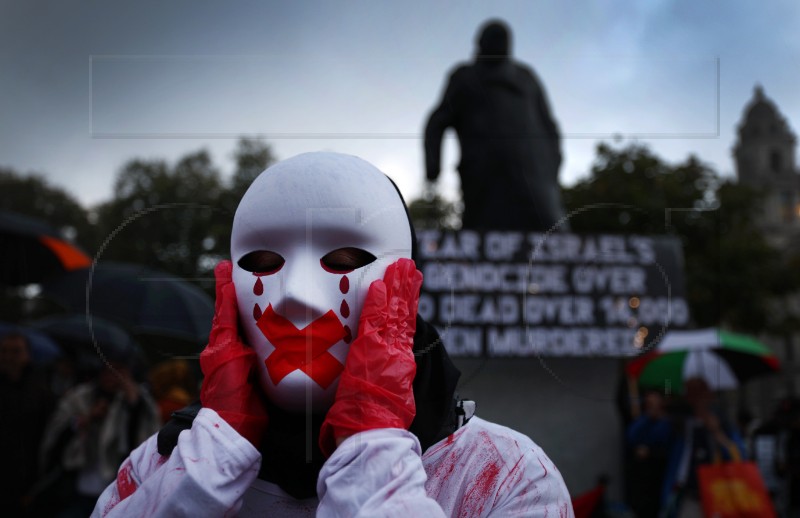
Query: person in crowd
{"points": [[94, 427], [789, 454], [173, 385], [25, 405], [701, 438], [63, 375], [766, 448], [648, 440], [325, 393]]}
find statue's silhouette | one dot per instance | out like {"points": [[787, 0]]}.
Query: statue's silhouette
{"points": [[510, 149]]}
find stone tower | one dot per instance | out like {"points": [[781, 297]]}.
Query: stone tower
{"points": [[765, 160]]}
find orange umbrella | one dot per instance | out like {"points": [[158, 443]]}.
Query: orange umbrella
{"points": [[31, 251]]}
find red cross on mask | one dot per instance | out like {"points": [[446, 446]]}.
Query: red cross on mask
{"points": [[304, 349]]}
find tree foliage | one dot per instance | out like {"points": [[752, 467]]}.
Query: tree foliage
{"points": [[432, 211], [160, 216], [731, 271], [252, 156], [633, 190], [177, 218], [33, 196]]}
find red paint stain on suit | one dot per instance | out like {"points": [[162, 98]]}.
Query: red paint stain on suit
{"points": [[481, 492], [444, 469], [126, 485], [513, 479]]}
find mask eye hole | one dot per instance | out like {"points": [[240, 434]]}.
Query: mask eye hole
{"points": [[262, 262], [345, 260]]}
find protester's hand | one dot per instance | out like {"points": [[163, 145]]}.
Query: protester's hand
{"points": [[376, 387], [230, 386]]}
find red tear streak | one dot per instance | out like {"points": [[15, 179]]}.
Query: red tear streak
{"points": [[344, 309], [258, 287], [344, 284], [348, 335], [256, 312]]}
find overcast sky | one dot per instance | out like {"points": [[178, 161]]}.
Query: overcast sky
{"points": [[85, 86]]}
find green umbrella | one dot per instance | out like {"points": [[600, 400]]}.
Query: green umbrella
{"points": [[723, 359]]}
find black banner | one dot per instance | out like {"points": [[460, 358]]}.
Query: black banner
{"points": [[524, 294]]}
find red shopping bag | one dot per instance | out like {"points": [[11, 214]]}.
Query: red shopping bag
{"points": [[733, 490], [586, 504]]}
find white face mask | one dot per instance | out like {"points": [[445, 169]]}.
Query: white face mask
{"points": [[310, 235]]}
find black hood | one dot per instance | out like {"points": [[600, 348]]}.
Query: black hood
{"points": [[434, 387]]}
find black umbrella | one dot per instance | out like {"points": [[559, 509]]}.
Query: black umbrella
{"points": [[88, 346], [31, 251], [159, 309]]}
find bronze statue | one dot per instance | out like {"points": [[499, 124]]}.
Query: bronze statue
{"points": [[510, 148]]}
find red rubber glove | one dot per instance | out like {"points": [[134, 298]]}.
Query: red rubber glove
{"points": [[230, 386], [376, 387]]}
